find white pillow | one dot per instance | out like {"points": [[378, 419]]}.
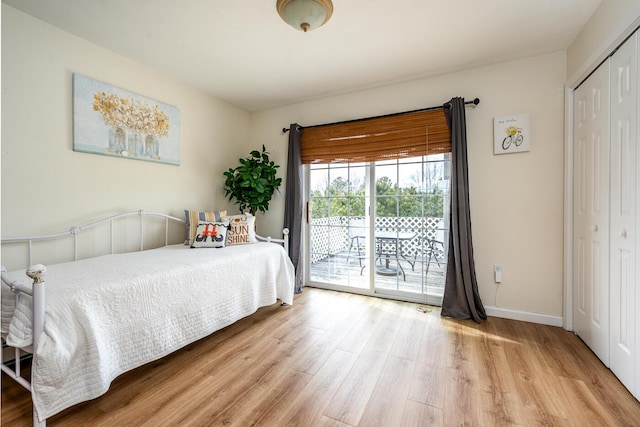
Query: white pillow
{"points": [[210, 234], [242, 229], [193, 217]]}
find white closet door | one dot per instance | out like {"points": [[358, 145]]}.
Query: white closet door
{"points": [[636, 392], [624, 97], [591, 212]]}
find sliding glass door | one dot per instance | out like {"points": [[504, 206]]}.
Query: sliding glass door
{"points": [[380, 227]]}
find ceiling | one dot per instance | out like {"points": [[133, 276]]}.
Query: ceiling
{"points": [[240, 51]]}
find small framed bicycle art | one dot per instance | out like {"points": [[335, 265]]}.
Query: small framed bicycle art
{"points": [[511, 134]]}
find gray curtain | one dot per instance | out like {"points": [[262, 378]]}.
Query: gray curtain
{"points": [[293, 201], [461, 297]]}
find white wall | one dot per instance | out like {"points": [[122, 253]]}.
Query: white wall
{"points": [[607, 27], [516, 199], [46, 186]]}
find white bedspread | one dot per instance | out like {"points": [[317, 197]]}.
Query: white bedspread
{"points": [[110, 314]]}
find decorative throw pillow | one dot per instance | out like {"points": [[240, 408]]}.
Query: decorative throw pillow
{"points": [[210, 234], [242, 229], [192, 219]]}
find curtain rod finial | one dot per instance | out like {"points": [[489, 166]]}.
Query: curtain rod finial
{"points": [[285, 130]]}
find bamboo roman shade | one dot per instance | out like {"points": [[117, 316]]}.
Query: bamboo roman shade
{"points": [[389, 137]]}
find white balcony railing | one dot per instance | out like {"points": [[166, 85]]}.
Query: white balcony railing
{"points": [[330, 235]]}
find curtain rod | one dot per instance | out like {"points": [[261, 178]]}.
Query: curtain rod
{"points": [[475, 102]]}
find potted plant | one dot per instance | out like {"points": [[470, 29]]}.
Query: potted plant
{"points": [[253, 182]]}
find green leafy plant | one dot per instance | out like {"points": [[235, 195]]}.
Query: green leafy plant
{"points": [[253, 182]]}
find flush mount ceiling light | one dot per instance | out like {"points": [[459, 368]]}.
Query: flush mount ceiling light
{"points": [[305, 15]]}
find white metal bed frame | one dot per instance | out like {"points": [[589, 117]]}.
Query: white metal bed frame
{"points": [[36, 272]]}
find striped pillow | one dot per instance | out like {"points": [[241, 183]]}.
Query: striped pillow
{"points": [[193, 217]]}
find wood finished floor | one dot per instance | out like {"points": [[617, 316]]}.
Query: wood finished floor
{"points": [[335, 359]]}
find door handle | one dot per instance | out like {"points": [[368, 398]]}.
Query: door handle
{"points": [[623, 234]]}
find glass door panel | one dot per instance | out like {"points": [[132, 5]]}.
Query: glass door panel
{"points": [[395, 233], [410, 200], [338, 231]]}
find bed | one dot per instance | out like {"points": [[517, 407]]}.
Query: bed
{"points": [[111, 313]]}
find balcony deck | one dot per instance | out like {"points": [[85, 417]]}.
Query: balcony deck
{"points": [[342, 269]]}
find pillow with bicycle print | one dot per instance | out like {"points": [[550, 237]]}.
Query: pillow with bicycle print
{"points": [[210, 234]]}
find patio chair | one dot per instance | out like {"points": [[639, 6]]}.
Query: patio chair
{"points": [[435, 250], [432, 247], [357, 240]]}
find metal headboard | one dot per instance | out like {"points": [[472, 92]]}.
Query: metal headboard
{"points": [[75, 230]]}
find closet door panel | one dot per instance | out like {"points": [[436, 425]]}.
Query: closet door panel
{"points": [[591, 212], [636, 390], [624, 81]]}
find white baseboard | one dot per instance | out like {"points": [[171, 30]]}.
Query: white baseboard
{"points": [[525, 316]]}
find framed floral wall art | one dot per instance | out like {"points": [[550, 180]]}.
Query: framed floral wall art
{"points": [[114, 122]]}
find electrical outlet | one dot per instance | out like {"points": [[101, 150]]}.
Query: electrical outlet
{"points": [[497, 272]]}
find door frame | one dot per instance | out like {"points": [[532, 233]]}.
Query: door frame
{"points": [[370, 215]]}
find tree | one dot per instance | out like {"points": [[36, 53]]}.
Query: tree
{"points": [[344, 198], [386, 193], [434, 204]]}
